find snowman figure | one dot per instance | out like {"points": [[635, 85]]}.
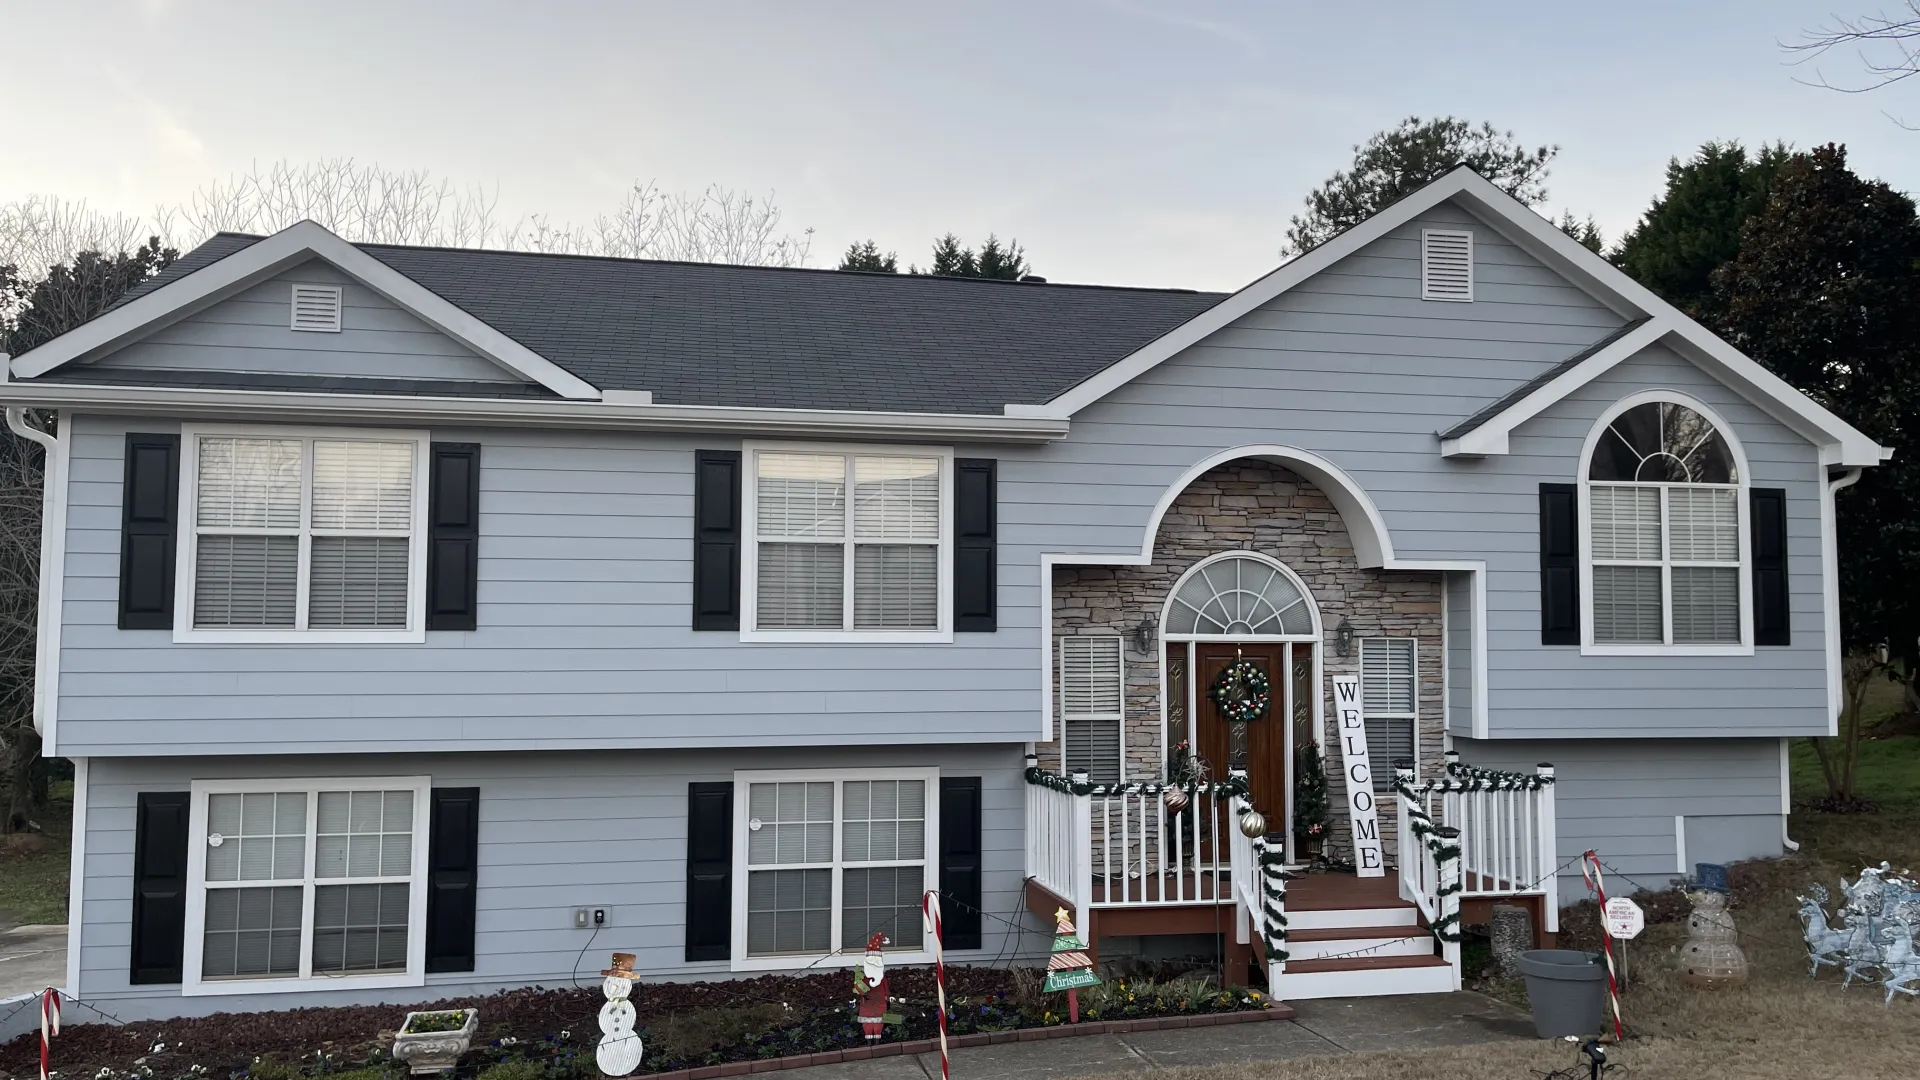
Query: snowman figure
{"points": [[620, 1049]]}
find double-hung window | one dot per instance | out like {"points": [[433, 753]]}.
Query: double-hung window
{"points": [[849, 543], [301, 534], [826, 860], [1666, 530], [306, 884], [1390, 703], [1092, 705]]}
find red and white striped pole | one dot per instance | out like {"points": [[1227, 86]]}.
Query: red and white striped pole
{"points": [[49, 1025], [930, 907], [1590, 869]]}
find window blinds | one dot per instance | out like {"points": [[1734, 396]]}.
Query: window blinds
{"points": [[1092, 704], [1389, 697]]}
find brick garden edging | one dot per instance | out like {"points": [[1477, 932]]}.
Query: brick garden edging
{"points": [[1275, 1011]]}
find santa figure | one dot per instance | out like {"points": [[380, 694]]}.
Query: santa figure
{"points": [[870, 982]]}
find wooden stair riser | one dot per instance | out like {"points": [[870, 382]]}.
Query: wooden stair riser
{"points": [[1375, 982], [1334, 919]]}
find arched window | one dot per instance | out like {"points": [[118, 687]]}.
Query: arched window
{"points": [[1241, 596], [1665, 529]]}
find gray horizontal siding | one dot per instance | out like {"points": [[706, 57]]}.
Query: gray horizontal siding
{"points": [[1353, 366], [557, 831], [584, 637], [1619, 798], [1459, 644], [248, 332]]}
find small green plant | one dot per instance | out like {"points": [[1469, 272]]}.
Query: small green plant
{"points": [[695, 1033], [428, 1022], [272, 1070], [522, 1069]]}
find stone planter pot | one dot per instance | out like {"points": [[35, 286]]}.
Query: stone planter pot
{"points": [[432, 1051]]}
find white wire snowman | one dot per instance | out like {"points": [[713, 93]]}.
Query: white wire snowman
{"points": [[620, 1048]]}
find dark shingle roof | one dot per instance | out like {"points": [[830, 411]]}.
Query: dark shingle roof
{"points": [[710, 334], [1535, 383]]}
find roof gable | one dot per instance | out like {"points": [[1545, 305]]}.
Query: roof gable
{"points": [[1650, 319]]}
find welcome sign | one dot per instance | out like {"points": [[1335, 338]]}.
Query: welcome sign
{"points": [[1350, 722]]}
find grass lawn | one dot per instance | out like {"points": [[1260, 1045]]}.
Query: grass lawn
{"points": [[33, 883], [1780, 1025]]}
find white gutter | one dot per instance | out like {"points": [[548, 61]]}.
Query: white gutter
{"points": [[265, 404], [53, 551]]}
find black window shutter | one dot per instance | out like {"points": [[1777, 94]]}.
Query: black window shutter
{"points": [[710, 871], [159, 887], [716, 540], [960, 861], [149, 503], [453, 551], [975, 558], [1772, 624], [1559, 564], [453, 874]]}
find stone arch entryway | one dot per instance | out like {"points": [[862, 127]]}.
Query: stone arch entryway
{"points": [[1263, 508]]}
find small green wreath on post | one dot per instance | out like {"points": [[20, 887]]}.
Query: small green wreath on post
{"points": [[1241, 691]]}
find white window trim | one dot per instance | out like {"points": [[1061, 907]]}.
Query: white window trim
{"points": [[1590, 647], [193, 985], [1414, 716], [1060, 697], [743, 781], [188, 548], [750, 548]]}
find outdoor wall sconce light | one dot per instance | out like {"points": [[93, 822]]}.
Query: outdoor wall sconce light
{"points": [[1143, 637], [1343, 638]]}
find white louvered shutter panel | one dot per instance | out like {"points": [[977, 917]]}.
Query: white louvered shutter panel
{"points": [[1446, 265], [1092, 696], [360, 487], [1389, 698], [317, 308]]}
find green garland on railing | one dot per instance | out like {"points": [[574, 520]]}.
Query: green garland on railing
{"points": [[1469, 778], [1446, 928], [1039, 777], [1273, 899]]}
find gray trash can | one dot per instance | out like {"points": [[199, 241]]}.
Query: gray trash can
{"points": [[1568, 991]]}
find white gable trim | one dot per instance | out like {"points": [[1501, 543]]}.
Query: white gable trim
{"points": [[1491, 437], [1840, 442], [259, 261]]}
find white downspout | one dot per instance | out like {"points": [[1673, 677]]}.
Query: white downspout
{"points": [[52, 517], [1830, 607]]}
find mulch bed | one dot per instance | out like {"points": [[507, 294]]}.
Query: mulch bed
{"points": [[556, 1026]]}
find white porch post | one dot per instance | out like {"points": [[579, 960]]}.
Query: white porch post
{"points": [[1549, 848], [1082, 857]]}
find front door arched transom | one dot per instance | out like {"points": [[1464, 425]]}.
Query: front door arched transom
{"points": [[1241, 595]]}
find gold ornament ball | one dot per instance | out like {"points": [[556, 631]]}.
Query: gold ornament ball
{"points": [[1253, 824], [1175, 799]]}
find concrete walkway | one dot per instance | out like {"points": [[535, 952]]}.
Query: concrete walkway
{"points": [[1335, 1026], [32, 958]]}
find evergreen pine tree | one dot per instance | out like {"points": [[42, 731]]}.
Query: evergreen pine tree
{"points": [[1310, 803], [865, 256], [951, 259], [994, 261], [1694, 227]]}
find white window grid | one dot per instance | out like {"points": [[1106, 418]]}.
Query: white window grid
{"points": [[1667, 561], [849, 539], [1072, 649], [188, 554], [743, 865], [308, 881]]}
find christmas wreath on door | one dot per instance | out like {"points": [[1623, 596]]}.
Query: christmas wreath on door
{"points": [[1241, 691]]}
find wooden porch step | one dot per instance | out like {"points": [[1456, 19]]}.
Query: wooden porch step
{"points": [[1355, 933], [1362, 963]]}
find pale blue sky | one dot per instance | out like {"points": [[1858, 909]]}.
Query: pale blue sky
{"points": [[1122, 141]]}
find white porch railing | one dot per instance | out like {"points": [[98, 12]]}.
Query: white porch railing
{"points": [[1507, 836], [1059, 854]]}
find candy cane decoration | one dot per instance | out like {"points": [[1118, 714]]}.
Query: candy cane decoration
{"points": [[1590, 869], [930, 909], [49, 1025]]}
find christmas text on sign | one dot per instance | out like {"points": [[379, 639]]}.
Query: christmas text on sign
{"points": [[1351, 723]]}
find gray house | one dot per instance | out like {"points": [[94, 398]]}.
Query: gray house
{"points": [[420, 619]]}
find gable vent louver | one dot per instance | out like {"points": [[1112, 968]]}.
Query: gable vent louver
{"points": [[316, 308], [1446, 265]]}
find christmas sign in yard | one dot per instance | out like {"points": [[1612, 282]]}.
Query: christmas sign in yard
{"points": [[1351, 723]]}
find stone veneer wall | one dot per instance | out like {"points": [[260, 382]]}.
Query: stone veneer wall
{"points": [[1250, 505]]}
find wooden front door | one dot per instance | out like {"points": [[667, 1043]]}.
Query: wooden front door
{"points": [[1261, 744]]}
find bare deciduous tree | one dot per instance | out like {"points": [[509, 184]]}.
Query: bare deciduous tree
{"points": [[1887, 46]]}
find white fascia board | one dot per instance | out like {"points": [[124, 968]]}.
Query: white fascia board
{"points": [[291, 407], [262, 260], [1491, 437]]}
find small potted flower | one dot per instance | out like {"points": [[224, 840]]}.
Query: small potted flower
{"points": [[431, 1041]]}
